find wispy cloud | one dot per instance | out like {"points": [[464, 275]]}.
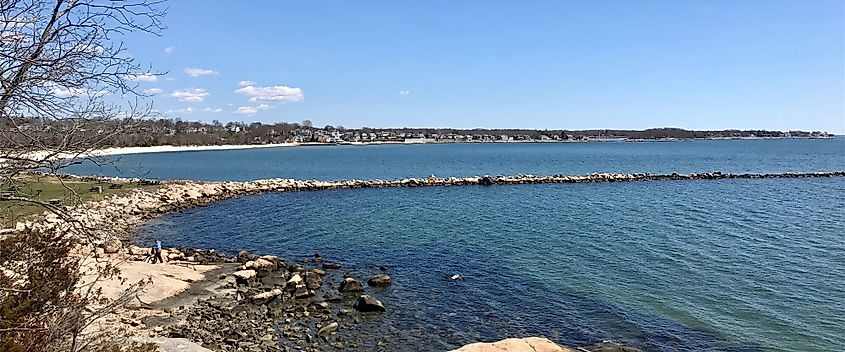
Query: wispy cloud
{"points": [[169, 50], [153, 91], [249, 110], [63, 92], [404, 92], [196, 72], [188, 110], [144, 77], [196, 95], [274, 93], [246, 83]]}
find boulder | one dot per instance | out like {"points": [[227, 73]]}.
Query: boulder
{"points": [[379, 280], [267, 296], [301, 291], [367, 303], [135, 250], [328, 329], [263, 265], [192, 194], [328, 265], [295, 280], [244, 277], [112, 246], [244, 256], [351, 285], [313, 281], [528, 344]]}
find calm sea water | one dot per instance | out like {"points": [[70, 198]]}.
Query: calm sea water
{"points": [[742, 265], [400, 161]]}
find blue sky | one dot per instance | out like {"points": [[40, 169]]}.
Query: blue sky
{"points": [[504, 64]]}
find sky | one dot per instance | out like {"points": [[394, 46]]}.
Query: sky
{"points": [[710, 64]]}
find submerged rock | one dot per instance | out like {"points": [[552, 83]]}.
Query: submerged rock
{"points": [[328, 265], [367, 303], [351, 285], [379, 280]]}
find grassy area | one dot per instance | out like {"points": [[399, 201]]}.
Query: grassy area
{"points": [[45, 188]]}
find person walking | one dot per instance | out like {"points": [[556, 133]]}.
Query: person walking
{"points": [[157, 252]]}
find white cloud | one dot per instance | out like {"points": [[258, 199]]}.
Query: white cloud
{"points": [[187, 110], [274, 93], [404, 92], [212, 110], [249, 110], [170, 79], [152, 91], [63, 92], [246, 83], [169, 50], [144, 77], [190, 95], [196, 72]]}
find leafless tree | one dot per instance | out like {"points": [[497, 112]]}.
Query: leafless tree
{"points": [[67, 87], [67, 84]]}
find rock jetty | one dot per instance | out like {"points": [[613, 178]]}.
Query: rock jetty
{"points": [[113, 217]]}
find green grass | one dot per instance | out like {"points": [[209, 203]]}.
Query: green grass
{"points": [[44, 188]]}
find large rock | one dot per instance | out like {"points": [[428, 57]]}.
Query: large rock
{"points": [[328, 329], [264, 297], [135, 250], [244, 277], [295, 280], [351, 285], [313, 280], [112, 246], [244, 256], [367, 303], [167, 344], [528, 344], [263, 265], [379, 280]]}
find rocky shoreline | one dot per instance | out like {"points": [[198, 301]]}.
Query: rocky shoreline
{"points": [[266, 303]]}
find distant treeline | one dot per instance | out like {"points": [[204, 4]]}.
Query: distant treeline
{"points": [[152, 132]]}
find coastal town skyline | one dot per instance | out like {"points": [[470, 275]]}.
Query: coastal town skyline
{"points": [[544, 66]]}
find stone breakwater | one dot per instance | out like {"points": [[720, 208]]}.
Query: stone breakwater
{"points": [[110, 219]]}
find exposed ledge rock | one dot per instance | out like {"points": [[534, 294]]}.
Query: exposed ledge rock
{"points": [[528, 344]]}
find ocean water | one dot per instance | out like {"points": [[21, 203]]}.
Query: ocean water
{"points": [[401, 161], [727, 265]]}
